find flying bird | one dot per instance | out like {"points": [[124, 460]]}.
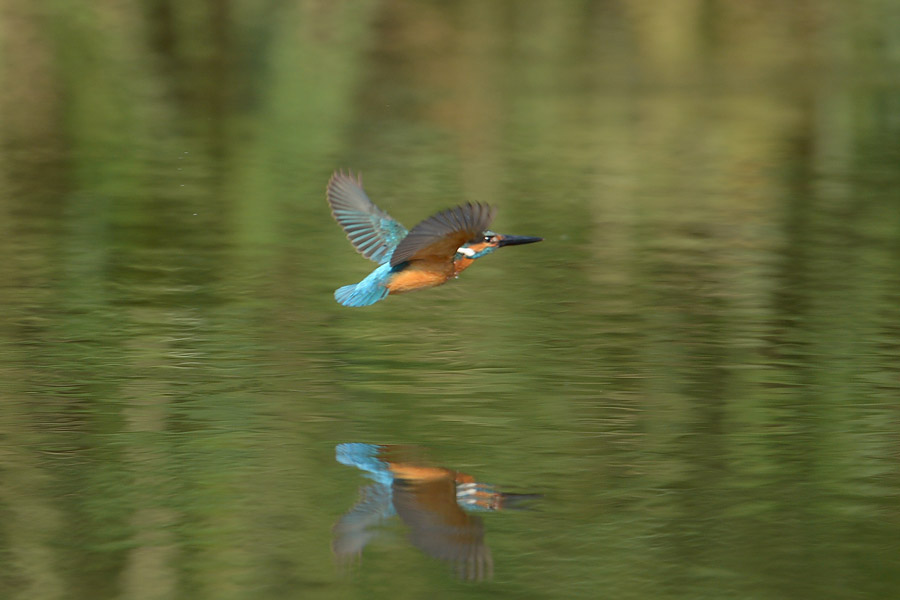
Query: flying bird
{"points": [[431, 253]]}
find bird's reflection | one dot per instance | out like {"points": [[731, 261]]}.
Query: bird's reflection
{"points": [[433, 502]]}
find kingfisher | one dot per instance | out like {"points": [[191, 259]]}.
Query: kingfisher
{"points": [[433, 502], [433, 252]]}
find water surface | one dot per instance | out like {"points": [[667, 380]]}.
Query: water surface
{"points": [[698, 368]]}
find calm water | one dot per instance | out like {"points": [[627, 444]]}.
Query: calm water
{"points": [[698, 368]]}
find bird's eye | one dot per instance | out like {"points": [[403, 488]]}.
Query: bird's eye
{"points": [[488, 239]]}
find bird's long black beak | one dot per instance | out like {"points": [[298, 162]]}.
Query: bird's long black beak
{"points": [[515, 240]]}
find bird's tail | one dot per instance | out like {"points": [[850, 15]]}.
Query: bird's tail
{"points": [[363, 293]]}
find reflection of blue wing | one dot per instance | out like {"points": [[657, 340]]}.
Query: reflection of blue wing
{"points": [[364, 457], [372, 231], [354, 530]]}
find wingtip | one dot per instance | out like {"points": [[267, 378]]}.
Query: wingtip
{"points": [[337, 186], [482, 212], [339, 174]]}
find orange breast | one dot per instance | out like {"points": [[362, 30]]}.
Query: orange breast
{"points": [[420, 274], [461, 265]]}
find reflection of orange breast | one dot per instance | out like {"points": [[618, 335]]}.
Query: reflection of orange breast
{"points": [[420, 274], [410, 472]]}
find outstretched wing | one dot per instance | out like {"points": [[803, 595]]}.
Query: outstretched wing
{"points": [[372, 231], [440, 528], [359, 525], [438, 237]]}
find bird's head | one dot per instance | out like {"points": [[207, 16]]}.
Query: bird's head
{"points": [[489, 241]]}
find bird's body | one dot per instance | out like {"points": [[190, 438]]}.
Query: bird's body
{"points": [[426, 273], [431, 253]]}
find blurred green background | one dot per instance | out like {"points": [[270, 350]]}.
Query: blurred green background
{"points": [[699, 368]]}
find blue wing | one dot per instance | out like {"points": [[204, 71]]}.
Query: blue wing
{"points": [[372, 231]]}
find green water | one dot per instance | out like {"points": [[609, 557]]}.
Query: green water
{"points": [[698, 368]]}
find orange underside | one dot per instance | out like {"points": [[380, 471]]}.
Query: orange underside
{"points": [[425, 274], [419, 473]]}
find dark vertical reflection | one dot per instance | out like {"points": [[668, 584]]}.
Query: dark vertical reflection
{"points": [[33, 183], [33, 143], [221, 66], [796, 479]]}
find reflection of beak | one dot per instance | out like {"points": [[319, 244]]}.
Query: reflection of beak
{"points": [[516, 501], [515, 240]]}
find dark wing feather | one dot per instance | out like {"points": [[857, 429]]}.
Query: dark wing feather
{"points": [[440, 528], [439, 236], [372, 231]]}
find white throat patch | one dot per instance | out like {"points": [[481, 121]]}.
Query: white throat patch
{"points": [[467, 251]]}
